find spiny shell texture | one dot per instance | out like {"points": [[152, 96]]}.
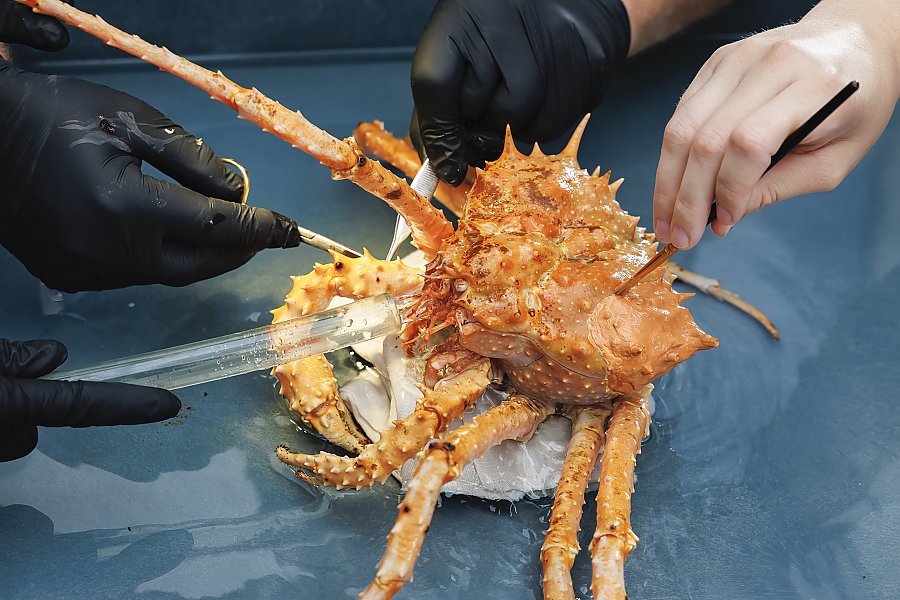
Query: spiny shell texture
{"points": [[534, 263]]}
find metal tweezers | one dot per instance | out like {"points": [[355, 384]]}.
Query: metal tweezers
{"points": [[317, 240]]}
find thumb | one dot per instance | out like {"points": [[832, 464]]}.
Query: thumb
{"points": [[19, 25], [29, 402]]}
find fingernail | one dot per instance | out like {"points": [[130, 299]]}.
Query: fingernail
{"points": [[723, 215], [286, 233], [661, 229], [727, 230], [680, 238]]}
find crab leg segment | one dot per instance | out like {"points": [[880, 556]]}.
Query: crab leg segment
{"points": [[561, 543], [344, 158], [614, 539], [374, 140], [710, 286], [309, 384], [440, 406], [515, 418]]}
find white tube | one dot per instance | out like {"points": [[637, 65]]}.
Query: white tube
{"points": [[248, 351]]}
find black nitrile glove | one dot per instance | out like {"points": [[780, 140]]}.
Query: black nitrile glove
{"points": [[78, 212], [536, 65], [20, 25], [26, 402]]}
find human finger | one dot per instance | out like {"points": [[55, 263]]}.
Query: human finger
{"points": [[154, 138], [187, 216], [690, 115], [478, 86], [698, 185], [437, 74], [23, 26], [83, 403], [182, 264], [517, 100], [757, 138], [30, 359]]}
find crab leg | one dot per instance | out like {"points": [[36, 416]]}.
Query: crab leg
{"points": [[515, 418], [373, 139], [440, 406], [614, 539], [561, 544], [309, 384], [710, 286], [344, 158]]}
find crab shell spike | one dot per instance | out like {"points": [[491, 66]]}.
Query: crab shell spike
{"points": [[615, 185], [596, 172], [571, 149], [536, 151], [509, 146]]}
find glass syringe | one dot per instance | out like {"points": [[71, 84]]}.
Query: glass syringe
{"points": [[248, 351]]}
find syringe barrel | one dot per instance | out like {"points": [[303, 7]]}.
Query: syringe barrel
{"points": [[248, 351]]}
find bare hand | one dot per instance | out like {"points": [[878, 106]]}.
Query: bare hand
{"points": [[750, 95]]}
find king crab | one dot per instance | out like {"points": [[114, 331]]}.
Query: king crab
{"points": [[524, 287]]}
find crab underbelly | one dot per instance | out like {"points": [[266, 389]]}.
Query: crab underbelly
{"points": [[531, 371], [547, 379]]}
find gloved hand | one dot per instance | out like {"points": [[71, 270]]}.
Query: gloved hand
{"points": [[20, 25], [536, 65], [26, 403], [78, 212]]}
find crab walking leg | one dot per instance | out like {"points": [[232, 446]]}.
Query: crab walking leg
{"points": [[440, 406], [343, 157], [515, 418], [561, 543], [308, 384], [614, 538], [374, 140], [712, 287]]}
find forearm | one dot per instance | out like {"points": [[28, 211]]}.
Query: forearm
{"points": [[879, 25], [652, 21]]}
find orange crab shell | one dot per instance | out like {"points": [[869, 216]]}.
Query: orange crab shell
{"points": [[534, 263]]}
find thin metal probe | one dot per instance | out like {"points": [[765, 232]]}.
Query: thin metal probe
{"points": [[317, 240]]}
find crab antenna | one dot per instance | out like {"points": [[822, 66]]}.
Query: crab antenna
{"points": [[571, 149]]}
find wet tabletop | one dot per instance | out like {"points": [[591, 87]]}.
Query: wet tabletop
{"points": [[773, 470]]}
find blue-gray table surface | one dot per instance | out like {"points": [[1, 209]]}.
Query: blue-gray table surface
{"points": [[773, 470]]}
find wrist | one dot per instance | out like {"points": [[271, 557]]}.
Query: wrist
{"points": [[613, 27], [652, 21]]}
